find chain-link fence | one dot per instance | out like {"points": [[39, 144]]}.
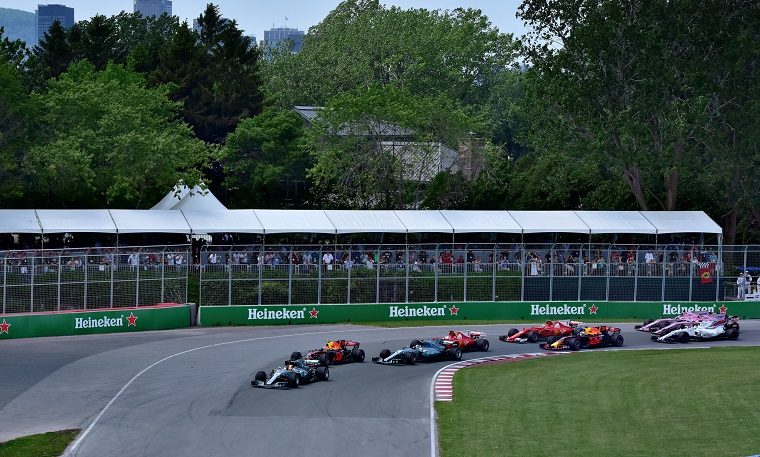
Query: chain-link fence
{"points": [[260, 274], [78, 279]]}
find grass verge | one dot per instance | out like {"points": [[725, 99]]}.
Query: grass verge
{"points": [[696, 402], [43, 445]]}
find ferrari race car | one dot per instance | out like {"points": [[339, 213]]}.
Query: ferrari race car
{"points": [[426, 350], [585, 337], [466, 341], [539, 332], [293, 374], [338, 351], [653, 325], [705, 330]]}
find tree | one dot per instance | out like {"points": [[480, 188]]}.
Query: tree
{"points": [[110, 139], [641, 85], [362, 43], [380, 147], [54, 52], [265, 161]]}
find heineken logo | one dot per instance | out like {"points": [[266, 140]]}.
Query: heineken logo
{"points": [[282, 313], [549, 310], [671, 310], [421, 311], [5, 327], [105, 322]]}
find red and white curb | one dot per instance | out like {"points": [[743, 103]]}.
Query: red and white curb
{"points": [[443, 379]]}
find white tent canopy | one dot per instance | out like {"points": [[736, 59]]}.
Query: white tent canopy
{"points": [[199, 200], [294, 221], [272, 221], [366, 221], [151, 221], [481, 221], [227, 221], [549, 222], [173, 197]]}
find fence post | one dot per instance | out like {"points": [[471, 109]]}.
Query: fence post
{"points": [[378, 265], [636, 274], [59, 281], [521, 265], [319, 276], [348, 285], [112, 266], [229, 281], [290, 276], [608, 269], [406, 275], [550, 266], [466, 267], [5, 281], [260, 267], [691, 279], [200, 272], [493, 274], [581, 266], [84, 287], [137, 281], [435, 271], [163, 272]]}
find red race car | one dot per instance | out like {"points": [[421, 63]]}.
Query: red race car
{"points": [[337, 351], [539, 332], [466, 341]]}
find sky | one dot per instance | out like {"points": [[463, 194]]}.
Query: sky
{"points": [[255, 16]]}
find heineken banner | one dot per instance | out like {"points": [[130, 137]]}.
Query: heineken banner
{"points": [[512, 311], [102, 321]]}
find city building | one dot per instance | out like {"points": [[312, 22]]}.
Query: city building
{"points": [[47, 14], [153, 7], [273, 37]]}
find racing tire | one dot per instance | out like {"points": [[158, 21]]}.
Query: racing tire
{"points": [[732, 334], [357, 355], [454, 353], [683, 337], [512, 331], [295, 355], [324, 360], [323, 373], [415, 343], [293, 379], [260, 376], [617, 340], [483, 345], [385, 353], [551, 340], [410, 358], [533, 337], [574, 344]]}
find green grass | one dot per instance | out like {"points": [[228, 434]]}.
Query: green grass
{"points": [[44, 445], [698, 402]]}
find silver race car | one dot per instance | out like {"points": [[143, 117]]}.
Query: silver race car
{"points": [[293, 374]]}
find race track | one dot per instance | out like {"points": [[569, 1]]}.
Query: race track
{"points": [[187, 392]]}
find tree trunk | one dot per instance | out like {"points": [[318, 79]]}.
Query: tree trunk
{"points": [[672, 179], [633, 179]]}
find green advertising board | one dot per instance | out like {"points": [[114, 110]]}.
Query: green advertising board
{"points": [[91, 322], [496, 311]]}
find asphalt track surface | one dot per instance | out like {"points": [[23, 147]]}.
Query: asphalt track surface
{"points": [[187, 392]]}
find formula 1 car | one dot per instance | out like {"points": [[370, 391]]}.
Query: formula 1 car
{"points": [[426, 350], [293, 374], [469, 341], [539, 332], [653, 325], [585, 337], [705, 330], [711, 318], [338, 351]]}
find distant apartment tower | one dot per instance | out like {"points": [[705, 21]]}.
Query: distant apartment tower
{"points": [[47, 14], [153, 7], [273, 37]]}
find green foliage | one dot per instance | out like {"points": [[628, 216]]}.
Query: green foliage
{"points": [[265, 161], [378, 147], [110, 139]]}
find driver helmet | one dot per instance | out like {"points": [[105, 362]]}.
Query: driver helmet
{"points": [[452, 334], [290, 364], [332, 345]]}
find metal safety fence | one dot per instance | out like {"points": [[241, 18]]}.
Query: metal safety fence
{"points": [[92, 278], [78, 279]]}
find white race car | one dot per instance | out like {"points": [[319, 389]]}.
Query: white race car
{"points": [[705, 330]]}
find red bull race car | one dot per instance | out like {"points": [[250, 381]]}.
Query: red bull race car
{"points": [[333, 352], [467, 341], [585, 337], [539, 332]]}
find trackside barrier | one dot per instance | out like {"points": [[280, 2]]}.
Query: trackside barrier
{"points": [[159, 317], [513, 311]]}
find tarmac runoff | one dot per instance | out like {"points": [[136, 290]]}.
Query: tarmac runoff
{"points": [[187, 392]]}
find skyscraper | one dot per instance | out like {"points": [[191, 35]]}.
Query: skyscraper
{"points": [[47, 14], [278, 34], [153, 7]]}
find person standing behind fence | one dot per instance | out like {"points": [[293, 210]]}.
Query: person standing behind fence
{"points": [[741, 282], [327, 259]]}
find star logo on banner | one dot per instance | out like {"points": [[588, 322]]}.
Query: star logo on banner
{"points": [[723, 309], [4, 327], [131, 320], [313, 313], [593, 309], [454, 310]]}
